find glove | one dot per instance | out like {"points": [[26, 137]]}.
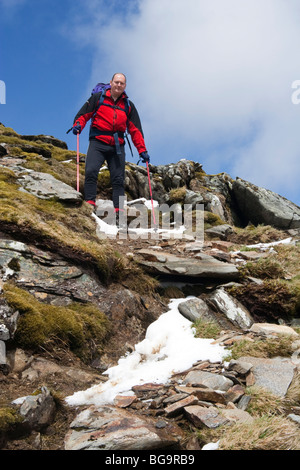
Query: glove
{"points": [[145, 157], [76, 129]]}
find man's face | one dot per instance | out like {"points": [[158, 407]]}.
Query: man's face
{"points": [[118, 84]]}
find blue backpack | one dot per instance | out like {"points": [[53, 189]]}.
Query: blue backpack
{"points": [[100, 87]]}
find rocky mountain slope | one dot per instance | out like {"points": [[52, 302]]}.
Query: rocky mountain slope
{"points": [[73, 301]]}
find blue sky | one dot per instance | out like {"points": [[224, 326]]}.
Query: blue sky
{"points": [[212, 79]]}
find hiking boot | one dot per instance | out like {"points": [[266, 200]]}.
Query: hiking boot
{"points": [[93, 205]]}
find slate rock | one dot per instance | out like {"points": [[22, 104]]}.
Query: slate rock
{"points": [[201, 416], [231, 308], [175, 175], [108, 428], [193, 198], [38, 410], [271, 329], [177, 407], [262, 206], [194, 309], [273, 374], [221, 231], [47, 273], [201, 266], [236, 415], [45, 186], [204, 394], [28, 148], [241, 367], [294, 417], [234, 394], [215, 381]]}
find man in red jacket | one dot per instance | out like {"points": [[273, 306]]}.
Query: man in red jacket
{"points": [[109, 123]]}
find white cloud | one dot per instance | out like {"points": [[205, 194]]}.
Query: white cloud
{"points": [[211, 79]]}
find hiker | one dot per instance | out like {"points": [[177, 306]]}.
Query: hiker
{"points": [[109, 122]]}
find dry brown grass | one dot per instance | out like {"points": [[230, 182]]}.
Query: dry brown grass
{"points": [[265, 433], [281, 345], [256, 234], [264, 403], [288, 256]]}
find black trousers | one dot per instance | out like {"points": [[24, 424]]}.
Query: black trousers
{"points": [[97, 153]]}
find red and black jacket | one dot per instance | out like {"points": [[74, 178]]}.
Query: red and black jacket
{"points": [[111, 118]]}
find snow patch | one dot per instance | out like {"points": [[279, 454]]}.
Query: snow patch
{"points": [[169, 347]]}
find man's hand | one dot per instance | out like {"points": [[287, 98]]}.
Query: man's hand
{"points": [[145, 157], [76, 129]]}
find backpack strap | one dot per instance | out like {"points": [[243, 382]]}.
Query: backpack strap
{"points": [[101, 102]]}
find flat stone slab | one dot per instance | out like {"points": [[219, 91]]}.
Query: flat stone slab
{"points": [[178, 406], [271, 329], [236, 415], [204, 394], [108, 428], [204, 266], [201, 416], [214, 381], [45, 186], [274, 374]]}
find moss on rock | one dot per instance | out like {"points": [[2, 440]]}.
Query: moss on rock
{"points": [[81, 327], [269, 301], [9, 420]]}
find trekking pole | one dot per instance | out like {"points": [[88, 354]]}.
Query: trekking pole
{"points": [[151, 194], [78, 162]]}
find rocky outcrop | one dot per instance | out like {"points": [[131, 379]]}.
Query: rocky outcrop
{"points": [[262, 206], [47, 139], [234, 201], [10, 148], [213, 192]]}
